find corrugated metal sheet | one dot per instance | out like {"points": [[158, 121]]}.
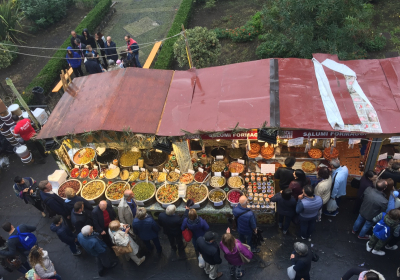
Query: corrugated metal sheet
{"points": [[128, 98]]}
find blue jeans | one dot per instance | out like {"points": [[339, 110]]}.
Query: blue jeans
{"points": [[307, 226], [366, 225], [194, 242], [285, 221], [137, 61], [156, 243], [247, 239], [56, 277], [72, 247]]}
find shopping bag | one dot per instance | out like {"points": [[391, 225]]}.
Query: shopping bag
{"points": [[202, 262], [121, 250], [187, 235], [243, 257], [331, 205], [291, 272]]}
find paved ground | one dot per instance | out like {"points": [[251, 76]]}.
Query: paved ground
{"points": [[337, 247], [145, 20]]}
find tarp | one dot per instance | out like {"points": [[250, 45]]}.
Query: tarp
{"points": [[129, 98]]}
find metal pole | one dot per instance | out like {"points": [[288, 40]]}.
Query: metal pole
{"points": [[22, 102], [187, 48]]}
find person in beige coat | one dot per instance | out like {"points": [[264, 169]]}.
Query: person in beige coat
{"points": [[127, 209], [122, 238], [323, 189]]}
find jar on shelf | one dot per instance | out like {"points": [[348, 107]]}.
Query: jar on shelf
{"points": [[140, 162]]}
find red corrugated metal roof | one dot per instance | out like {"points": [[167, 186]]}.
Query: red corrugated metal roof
{"points": [[128, 98]]}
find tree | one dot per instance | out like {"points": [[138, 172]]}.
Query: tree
{"points": [[10, 20], [204, 47], [298, 28]]}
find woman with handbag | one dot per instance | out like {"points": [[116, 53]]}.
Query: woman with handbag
{"points": [[235, 253], [40, 261], [119, 234]]}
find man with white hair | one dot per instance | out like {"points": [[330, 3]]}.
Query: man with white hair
{"points": [[102, 216], [127, 208], [246, 223], [94, 246], [339, 183], [301, 258], [171, 223], [110, 49]]}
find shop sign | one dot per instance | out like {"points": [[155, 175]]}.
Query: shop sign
{"points": [[290, 134], [251, 134]]}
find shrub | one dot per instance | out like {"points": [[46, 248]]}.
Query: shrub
{"points": [[44, 12], [166, 55], [377, 43], [6, 57], [204, 47], [51, 71], [11, 16]]}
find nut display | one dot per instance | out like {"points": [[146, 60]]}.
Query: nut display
{"points": [[217, 181], [267, 152], [254, 150], [172, 176], [328, 155], [129, 158], [116, 190], [143, 175], [218, 166], [308, 167], [153, 176], [162, 176], [74, 184], [167, 193], [235, 182], [143, 191], [93, 189], [84, 156], [196, 192]]}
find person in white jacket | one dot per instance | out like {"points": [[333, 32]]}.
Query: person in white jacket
{"points": [[121, 237], [41, 263], [323, 189]]}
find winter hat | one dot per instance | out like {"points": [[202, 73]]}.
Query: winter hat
{"points": [[210, 236]]}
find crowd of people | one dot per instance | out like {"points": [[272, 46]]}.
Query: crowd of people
{"points": [[106, 233], [85, 49]]}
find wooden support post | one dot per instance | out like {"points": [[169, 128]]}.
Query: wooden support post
{"points": [[64, 83], [69, 77], [187, 48]]}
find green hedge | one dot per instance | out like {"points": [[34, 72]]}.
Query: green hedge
{"points": [[52, 70], [166, 55]]}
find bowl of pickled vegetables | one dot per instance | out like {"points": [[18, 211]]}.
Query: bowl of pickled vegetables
{"points": [[84, 156], [115, 191], [217, 196], [196, 192], [93, 190], [144, 191], [167, 194], [217, 181]]}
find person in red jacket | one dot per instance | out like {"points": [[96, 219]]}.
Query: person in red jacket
{"points": [[28, 133]]}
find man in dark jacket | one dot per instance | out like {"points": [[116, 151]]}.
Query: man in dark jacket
{"points": [[147, 229], [374, 203], [26, 188], [392, 172], [72, 198], [286, 208], [79, 217], [111, 49], [301, 258], [102, 216], [15, 247], [65, 234], [246, 223], [54, 203], [80, 47], [285, 174], [171, 224], [73, 37], [209, 249], [91, 64], [95, 247]]}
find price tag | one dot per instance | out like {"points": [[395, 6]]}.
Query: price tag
{"points": [[218, 203], [233, 204], [158, 151], [267, 168], [382, 156], [196, 205], [201, 170], [135, 167], [395, 139], [236, 174], [220, 157], [396, 156], [139, 203], [155, 170], [165, 205], [164, 170], [191, 171], [217, 174], [355, 141], [295, 141], [177, 171], [134, 149], [143, 169], [241, 161]]}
